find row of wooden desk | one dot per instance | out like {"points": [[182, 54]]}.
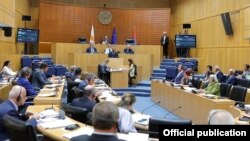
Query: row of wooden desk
{"points": [[193, 106]]}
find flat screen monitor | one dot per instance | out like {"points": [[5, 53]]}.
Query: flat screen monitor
{"points": [[27, 35], [130, 41], [185, 41]]}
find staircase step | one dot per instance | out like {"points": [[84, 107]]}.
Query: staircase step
{"points": [[159, 71], [141, 94], [153, 77], [144, 90], [159, 75]]}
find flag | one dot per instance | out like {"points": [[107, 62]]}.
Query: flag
{"points": [[92, 35], [114, 36], [134, 37]]}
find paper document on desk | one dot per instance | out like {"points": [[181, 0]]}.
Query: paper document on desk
{"points": [[49, 113], [56, 124], [141, 119], [47, 90], [46, 94], [81, 131], [133, 136]]}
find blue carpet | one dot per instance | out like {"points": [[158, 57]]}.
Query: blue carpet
{"points": [[155, 111]]}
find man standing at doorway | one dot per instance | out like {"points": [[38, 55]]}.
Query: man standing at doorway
{"points": [[164, 44]]}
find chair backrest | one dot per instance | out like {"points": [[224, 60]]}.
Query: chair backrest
{"points": [[19, 130], [238, 93], [155, 122], [225, 89], [189, 65], [195, 62], [70, 85], [244, 83], [60, 70], [76, 113], [196, 83], [171, 72], [135, 69]]}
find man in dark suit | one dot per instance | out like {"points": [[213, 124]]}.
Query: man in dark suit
{"points": [[91, 49], [180, 75], [105, 120], [39, 79], [104, 71], [89, 80], [219, 75], [17, 97], [164, 44], [113, 54], [231, 77], [128, 50], [24, 81], [87, 101]]}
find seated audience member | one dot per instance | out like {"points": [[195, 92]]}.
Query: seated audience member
{"points": [[108, 49], [213, 86], [104, 71], [186, 80], [39, 79], [220, 117], [77, 73], [208, 72], [87, 100], [246, 71], [17, 97], [131, 71], [6, 70], [219, 75], [105, 40], [125, 121], [180, 75], [90, 80], [23, 80], [113, 54], [231, 77], [82, 77], [104, 120], [91, 49], [71, 72], [128, 50], [205, 81]]}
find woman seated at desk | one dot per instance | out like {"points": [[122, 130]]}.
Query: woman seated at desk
{"points": [[213, 86], [125, 121], [186, 80], [6, 70]]}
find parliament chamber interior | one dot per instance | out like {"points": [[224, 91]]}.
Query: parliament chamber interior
{"points": [[115, 70]]}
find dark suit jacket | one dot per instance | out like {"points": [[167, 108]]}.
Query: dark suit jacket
{"points": [[96, 137], [179, 77], [128, 51], [26, 84], [8, 107], [166, 41], [82, 85], [39, 79], [83, 102], [113, 54], [232, 80], [220, 76], [88, 50]]}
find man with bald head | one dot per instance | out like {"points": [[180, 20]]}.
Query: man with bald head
{"points": [[17, 97], [220, 117], [104, 120]]}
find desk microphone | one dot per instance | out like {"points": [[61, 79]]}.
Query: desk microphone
{"points": [[151, 106], [172, 111]]}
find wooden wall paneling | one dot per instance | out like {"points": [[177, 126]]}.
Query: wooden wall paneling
{"points": [[214, 47], [76, 21]]}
